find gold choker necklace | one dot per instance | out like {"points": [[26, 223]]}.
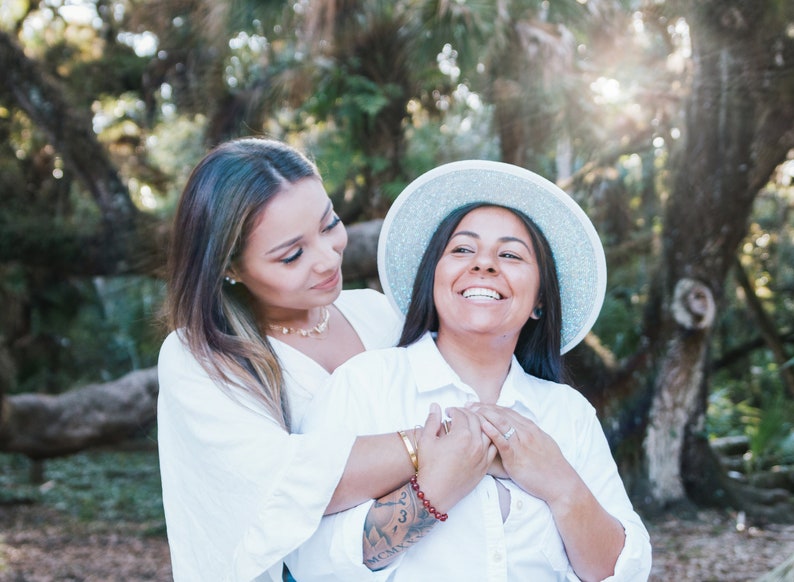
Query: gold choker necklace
{"points": [[318, 329]]}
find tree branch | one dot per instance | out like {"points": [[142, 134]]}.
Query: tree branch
{"points": [[127, 236], [41, 97]]}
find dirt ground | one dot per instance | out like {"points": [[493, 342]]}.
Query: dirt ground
{"points": [[38, 544]]}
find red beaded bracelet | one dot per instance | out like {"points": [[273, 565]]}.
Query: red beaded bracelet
{"points": [[426, 502]]}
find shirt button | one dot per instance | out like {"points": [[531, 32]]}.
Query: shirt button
{"points": [[497, 557], [519, 504]]}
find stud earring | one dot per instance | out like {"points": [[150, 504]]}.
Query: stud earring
{"points": [[230, 281], [537, 312]]}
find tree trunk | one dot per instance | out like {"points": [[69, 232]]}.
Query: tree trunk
{"points": [[730, 150], [361, 254], [677, 383], [536, 54], [42, 99], [43, 426]]}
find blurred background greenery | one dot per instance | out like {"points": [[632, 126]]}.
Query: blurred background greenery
{"points": [[107, 104]]}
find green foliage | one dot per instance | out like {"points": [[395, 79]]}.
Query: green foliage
{"points": [[99, 485], [724, 417], [465, 131], [771, 427], [748, 396], [91, 330], [175, 148], [759, 410], [407, 86], [617, 325]]}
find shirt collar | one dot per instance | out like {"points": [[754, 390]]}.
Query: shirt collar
{"points": [[520, 390], [432, 372]]}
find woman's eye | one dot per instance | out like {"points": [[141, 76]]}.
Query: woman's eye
{"points": [[336, 220], [510, 255], [292, 257], [460, 250]]}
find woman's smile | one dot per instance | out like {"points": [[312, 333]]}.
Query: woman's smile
{"points": [[487, 279]]}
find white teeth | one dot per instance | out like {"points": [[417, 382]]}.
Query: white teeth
{"points": [[481, 292]]}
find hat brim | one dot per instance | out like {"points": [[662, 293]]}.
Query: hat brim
{"points": [[424, 203]]}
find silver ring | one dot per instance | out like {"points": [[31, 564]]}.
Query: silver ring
{"points": [[510, 432]]}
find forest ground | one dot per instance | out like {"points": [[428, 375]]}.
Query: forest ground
{"points": [[97, 517], [41, 544]]}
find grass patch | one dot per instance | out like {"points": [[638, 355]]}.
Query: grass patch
{"points": [[102, 485]]}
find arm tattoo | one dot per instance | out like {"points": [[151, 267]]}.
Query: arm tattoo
{"points": [[394, 523]]}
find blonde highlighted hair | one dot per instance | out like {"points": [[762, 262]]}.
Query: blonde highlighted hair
{"points": [[222, 200]]}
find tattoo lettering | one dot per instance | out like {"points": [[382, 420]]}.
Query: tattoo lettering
{"points": [[401, 500], [394, 523]]}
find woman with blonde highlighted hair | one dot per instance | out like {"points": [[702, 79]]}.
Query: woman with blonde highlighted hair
{"points": [[258, 322]]}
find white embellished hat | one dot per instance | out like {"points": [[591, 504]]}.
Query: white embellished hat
{"points": [[419, 209]]}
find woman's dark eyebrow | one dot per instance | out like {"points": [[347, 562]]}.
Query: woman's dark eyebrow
{"points": [[515, 239], [284, 245], [501, 239], [328, 209], [465, 233], [292, 241]]}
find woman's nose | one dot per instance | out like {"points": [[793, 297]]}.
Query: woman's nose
{"points": [[483, 264], [328, 258]]}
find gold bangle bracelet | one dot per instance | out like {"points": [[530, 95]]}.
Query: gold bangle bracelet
{"points": [[410, 448]]}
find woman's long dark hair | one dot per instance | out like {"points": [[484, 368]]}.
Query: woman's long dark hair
{"points": [[223, 199], [538, 347]]}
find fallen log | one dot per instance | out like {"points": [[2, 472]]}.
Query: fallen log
{"points": [[43, 426]]}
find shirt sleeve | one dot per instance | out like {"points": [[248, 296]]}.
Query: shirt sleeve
{"points": [[597, 467], [335, 551], [239, 492], [376, 322]]}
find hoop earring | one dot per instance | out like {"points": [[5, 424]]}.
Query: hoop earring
{"points": [[229, 280]]}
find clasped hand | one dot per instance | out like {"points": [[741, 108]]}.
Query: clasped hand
{"points": [[452, 459], [454, 462], [528, 456]]}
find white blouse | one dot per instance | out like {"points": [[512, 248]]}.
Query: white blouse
{"points": [[239, 492], [385, 390]]}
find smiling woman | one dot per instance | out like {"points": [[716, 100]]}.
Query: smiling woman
{"points": [[504, 273], [291, 266], [488, 273]]}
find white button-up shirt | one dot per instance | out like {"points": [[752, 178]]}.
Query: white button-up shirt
{"points": [[239, 492], [392, 389]]}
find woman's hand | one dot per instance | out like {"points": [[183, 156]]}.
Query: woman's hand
{"points": [[592, 537], [452, 463], [497, 468], [531, 458]]}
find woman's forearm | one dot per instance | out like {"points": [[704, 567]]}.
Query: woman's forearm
{"points": [[378, 464], [593, 538], [450, 466], [394, 523]]}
